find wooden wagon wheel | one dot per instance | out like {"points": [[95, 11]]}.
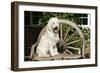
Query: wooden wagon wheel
{"points": [[72, 35]]}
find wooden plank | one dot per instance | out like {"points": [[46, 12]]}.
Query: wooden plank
{"points": [[57, 57]]}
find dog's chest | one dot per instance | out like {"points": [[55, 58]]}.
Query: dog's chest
{"points": [[53, 37]]}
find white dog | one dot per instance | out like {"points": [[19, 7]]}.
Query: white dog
{"points": [[47, 42], [47, 45]]}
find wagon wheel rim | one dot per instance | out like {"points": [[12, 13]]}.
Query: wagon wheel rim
{"points": [[67, 39]]}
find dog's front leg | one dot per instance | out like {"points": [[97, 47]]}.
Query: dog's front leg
{"points": [[55, 50], [52, 51]]}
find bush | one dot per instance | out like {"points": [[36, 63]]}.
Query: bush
{"points": [[69, 16]]}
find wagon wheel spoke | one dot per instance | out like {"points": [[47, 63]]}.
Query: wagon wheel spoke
{"points": [[67, 33], [69, 51], [78, 49], [72, 42], [61, 33], [70, 47], [70, 36]]}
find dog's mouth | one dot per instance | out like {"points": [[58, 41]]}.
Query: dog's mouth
{"points": [[55, 29]]}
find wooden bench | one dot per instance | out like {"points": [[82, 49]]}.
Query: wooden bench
{"points": [[63, 56]]}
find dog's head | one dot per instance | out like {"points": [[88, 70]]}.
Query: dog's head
{"points": [[53, 25]]}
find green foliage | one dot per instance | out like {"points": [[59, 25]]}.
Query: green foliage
{"points": [[86, 32], [69, 16]]}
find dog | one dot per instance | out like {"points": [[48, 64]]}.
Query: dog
{"points": [[47, 41]]}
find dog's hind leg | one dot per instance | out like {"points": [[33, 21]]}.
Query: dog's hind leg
{"points": [[41, 52]]}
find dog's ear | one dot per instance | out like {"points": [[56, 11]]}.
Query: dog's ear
{"points": [[48, 27]]}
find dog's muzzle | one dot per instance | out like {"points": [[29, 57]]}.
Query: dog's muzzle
{"points": [[56, 29]]}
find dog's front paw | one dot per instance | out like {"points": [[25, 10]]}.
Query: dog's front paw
{"points": [[43, 55], [57, 53], [53, 54]]}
